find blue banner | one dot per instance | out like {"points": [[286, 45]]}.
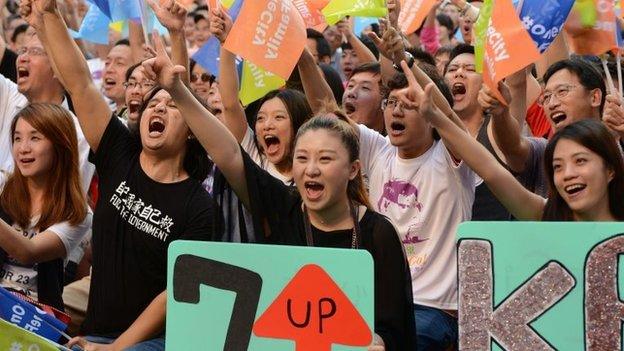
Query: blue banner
{"points": [[103, 6], [94, 27], [124, 9], [29, 317], [543, 19]]}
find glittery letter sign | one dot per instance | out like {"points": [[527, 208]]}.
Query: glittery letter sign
{"points": [[508, 323], [540, 286]]}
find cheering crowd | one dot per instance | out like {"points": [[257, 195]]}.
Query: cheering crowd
{"points": [[382, 140]]}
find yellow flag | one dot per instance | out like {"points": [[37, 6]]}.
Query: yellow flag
{"points": [[15, 338], [338, 9], [256, 82]]}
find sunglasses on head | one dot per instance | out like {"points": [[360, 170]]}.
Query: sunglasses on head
{"points": [[205, 77]]}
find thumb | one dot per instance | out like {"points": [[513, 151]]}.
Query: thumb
{"points": [[428, 92], [178, 69], [376, 40], [504, 90]]}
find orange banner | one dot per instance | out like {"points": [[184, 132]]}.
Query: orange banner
{"points": [[269, 33], [212, 4], [413, 13], [310, 11], [598, 39], [508, 46]]}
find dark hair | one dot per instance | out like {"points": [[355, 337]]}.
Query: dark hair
{"points": [[322, 46], [421, 55], [367, 42], [199, 17], [446, 21], [370, 67], [297, 106], [460, 49], [124, 41], [355, 188], [595, 136], [333, 79], [446, 49], [587, 74], [196, 162], [399, 81], [375, 28], [131, 69], [22, 28]]}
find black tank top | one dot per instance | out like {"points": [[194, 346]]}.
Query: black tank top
{"points": [[486, 206]]}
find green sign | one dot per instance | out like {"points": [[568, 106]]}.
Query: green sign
{"points": [[540, 286], [224, 296], [14, 338]]}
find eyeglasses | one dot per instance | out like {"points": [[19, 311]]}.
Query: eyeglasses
{"points": [[205, 77], [560, 92], [392, 103], [32, 51], [146, 84]]}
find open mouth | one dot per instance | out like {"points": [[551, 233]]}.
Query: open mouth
{"points": [[349, 107], [466, 28], [272, 144], [574, 188], [156, 127], [313, 189], [397, 128], [109, 83], [22, 73], [134, 106], [558, 117], [347, 71], [458, 90], [27, 160]]}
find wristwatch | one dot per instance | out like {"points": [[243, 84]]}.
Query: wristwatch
{"points": [[409, 59]]}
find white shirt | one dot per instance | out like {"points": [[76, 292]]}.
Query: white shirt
{"points": [[11, 102], [23, 278], [426, 198]]}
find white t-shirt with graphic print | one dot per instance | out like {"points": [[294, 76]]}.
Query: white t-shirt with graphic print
{"points": [[426, 198], [23, 277]]}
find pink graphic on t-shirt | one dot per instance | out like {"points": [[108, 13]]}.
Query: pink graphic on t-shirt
{"points": [[400, 193]]}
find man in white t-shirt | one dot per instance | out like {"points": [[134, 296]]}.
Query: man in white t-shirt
{"points": [[426, 193], [35, 83]]}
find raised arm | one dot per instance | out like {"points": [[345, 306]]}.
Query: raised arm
{"points": [[218, 141], [172, 16], [91, 109], [315, 86], [505, 129], [363, 53], [522, 203], [391, 45], [233, 113]]}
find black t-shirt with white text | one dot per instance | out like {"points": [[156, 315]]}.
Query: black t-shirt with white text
{"points": [[135, 220]]}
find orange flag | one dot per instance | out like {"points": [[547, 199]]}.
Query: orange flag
{"points": [[508, 46], [269, 33], [413, 13], [212, 4], [310, 11], [598, 39]]}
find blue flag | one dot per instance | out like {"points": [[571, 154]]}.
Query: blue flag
{"points": [[103, 6], [124, 9], [543, 19], [29, 317], [94, 27]]}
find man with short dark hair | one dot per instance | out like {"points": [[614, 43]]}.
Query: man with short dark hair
{"points": [[117, 62], [363, 94], [318, 46]]}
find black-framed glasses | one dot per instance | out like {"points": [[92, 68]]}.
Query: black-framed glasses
{"points": [[205, 77], [146, 84], [391, 103]]}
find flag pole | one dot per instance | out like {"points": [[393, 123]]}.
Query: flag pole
{"points": [[607, 74], [618, 60]]}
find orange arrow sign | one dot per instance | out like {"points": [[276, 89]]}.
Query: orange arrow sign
{"points": [[313, 311]]}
